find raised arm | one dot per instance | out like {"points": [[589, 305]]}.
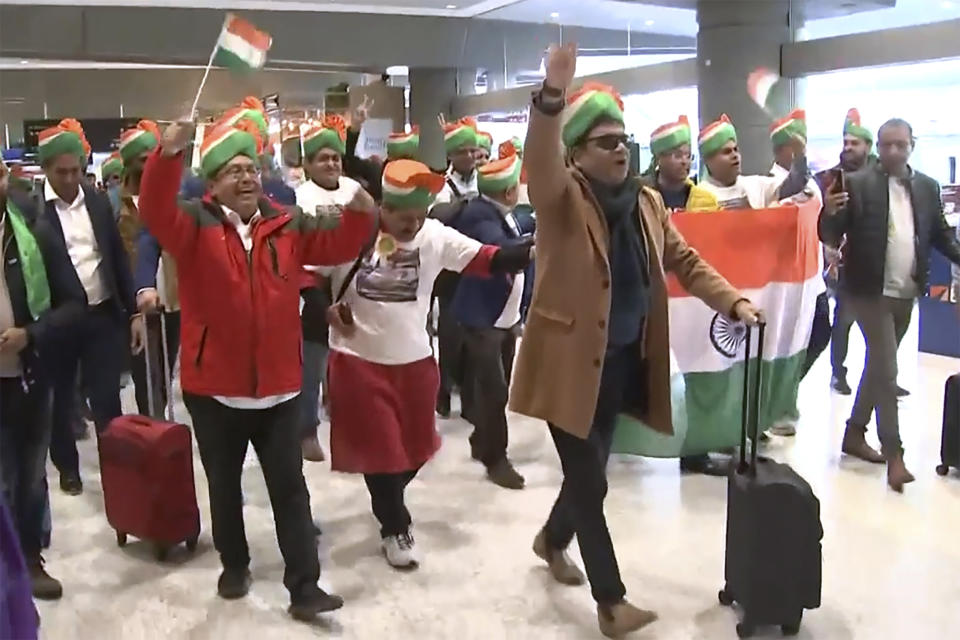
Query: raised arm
{"points": [[835, 215], [174, 229], [329, 241], [796, 180], [547, 180]]}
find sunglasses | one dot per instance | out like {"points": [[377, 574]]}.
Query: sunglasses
{"points": [[610, 142]]}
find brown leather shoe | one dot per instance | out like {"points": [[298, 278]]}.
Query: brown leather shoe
{"points": [[622, 618], [561, 566], [45, 586], [311, 449], [855, 444], [897, 473]]}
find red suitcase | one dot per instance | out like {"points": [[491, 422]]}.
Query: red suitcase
{"points": [[146, 469]]}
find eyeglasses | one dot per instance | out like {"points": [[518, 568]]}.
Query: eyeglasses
{"points": [[611, 141], [238, 172]]}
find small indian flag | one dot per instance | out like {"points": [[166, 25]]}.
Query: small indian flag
{"points": [[780, 272], [241, 46]]}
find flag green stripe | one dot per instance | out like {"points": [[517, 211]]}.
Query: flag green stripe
{"points": [[228, 59], [710, 419]]}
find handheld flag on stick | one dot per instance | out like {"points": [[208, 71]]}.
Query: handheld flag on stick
{"points": [[240, 47]]}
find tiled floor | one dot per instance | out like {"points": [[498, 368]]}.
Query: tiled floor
{"points": [[891, 562]]}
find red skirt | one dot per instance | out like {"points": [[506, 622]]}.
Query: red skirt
{"points": [[381, 416]]}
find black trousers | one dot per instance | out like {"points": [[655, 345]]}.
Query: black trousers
{"points": [[579, 507], [819, 335], [843, 319], [488, 360], [159, 359], [24, 439], [449, 345], [223, 434], [97, 346], [387, 499]]}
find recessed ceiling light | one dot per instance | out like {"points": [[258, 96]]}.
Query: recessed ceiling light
{"points": [[24, 62], [554, 15], [649, 23], [451, 6]]}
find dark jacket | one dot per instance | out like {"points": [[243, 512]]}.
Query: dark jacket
{"points": [[864, 224], [478, 302], [115, 265], [367, 172], [66, 294], [240, 316]]}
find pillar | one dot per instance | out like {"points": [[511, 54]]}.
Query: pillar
{"points": [[431, 93], [736, 37]]}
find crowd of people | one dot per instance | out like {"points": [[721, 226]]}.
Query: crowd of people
{"points": [[280, 299]]}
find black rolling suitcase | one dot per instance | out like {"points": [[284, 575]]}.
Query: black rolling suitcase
{"points": [[950, 438], [773, 554]]}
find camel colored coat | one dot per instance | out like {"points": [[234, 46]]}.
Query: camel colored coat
{"points": [[557, 375]]}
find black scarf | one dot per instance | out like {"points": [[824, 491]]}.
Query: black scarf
{"points": [[629, 269]]}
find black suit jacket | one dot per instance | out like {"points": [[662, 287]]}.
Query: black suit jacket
{"points": [[115, 265], [66, 294], [864, 223]]}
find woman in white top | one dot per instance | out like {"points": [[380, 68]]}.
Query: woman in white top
{"points": [[383, 378]]}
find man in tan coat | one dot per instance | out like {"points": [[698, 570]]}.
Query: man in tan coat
{"points": [[597, 340]]}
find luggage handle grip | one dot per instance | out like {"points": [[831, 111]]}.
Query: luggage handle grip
{"points": [[750, 410]]}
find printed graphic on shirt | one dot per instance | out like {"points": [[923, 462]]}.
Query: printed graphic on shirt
{"points": [[393, 278], [741, 202], [329, 215]]}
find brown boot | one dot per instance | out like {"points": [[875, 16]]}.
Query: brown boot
{"points": [[622, 618], [855, 444], [311, 449], [45, 587], [897, 474], [561, 566]]}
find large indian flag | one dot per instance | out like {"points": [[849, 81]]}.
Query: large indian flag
{"points": [[773, 257], [241, 46]]}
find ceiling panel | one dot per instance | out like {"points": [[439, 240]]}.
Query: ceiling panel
{"points": [[602, 14], [448, 8]]}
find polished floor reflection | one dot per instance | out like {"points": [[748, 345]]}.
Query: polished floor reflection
{"points": [[891, 562]]}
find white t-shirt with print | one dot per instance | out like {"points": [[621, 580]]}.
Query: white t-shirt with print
{"points": [[390, 295]]}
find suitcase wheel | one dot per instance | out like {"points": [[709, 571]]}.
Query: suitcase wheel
{"points": [[192, 544], [121, 539], [725, 597], [160, 552], [942, 469], [745, 630], [790, 629]]}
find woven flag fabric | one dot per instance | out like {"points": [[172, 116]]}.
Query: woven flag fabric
{"points": [[778, 269], [241, 46]]}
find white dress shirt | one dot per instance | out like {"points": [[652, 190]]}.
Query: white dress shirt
{"points": [[510, 315], [467, 187], [81, 243], [901, 259], [245, 230]]}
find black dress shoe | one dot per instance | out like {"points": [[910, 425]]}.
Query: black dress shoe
{"points": [[901, 392], [306, 608], [703, 464], [443, 404], [839, 384], [71, 484], [234, 583]]}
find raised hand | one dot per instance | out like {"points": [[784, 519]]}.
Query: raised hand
{"points": [[561, 65], [442, 121], [361, 113], [177, 136]]}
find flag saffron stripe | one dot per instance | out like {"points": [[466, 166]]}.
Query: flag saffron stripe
{"points": [[245, 30]]}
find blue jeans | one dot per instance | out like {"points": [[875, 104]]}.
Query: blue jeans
{"points": [[314, 374], [24, 440]]}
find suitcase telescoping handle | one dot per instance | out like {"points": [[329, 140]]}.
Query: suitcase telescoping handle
{"points": [[750, 411], [164, 365]]}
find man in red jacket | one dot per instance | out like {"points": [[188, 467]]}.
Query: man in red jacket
{"points": [[238, 259]]}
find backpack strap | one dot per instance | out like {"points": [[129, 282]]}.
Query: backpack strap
{"points": [[367, 246], [453, 187]]}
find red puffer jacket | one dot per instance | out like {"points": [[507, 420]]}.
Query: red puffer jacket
{"points": [[240, 333]]}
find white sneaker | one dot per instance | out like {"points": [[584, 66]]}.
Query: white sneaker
{"points": [[400, 551]]}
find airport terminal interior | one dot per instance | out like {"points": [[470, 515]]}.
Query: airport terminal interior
{"points": [[463, 296]]}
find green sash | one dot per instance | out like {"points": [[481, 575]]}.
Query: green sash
{"points": [[31, 262]]}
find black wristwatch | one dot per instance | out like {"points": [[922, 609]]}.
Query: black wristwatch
{"points": [[548, 100]]}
